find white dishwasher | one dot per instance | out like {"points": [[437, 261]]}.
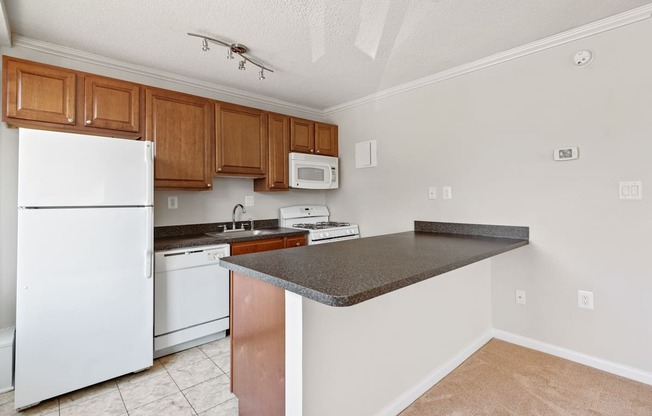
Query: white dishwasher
{"points": [[191, 298]]}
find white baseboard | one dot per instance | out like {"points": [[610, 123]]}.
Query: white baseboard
{"points": [[399, 404], [578, 357]]}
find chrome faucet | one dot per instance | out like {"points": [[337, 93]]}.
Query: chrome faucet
{"points": [[235, 208]]}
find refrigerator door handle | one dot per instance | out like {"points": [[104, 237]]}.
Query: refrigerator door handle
{"points": [[149, 249], [150, 151]]}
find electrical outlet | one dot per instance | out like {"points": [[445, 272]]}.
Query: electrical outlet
{"points": [[173, 202], [520, 297], [585, 299], [249, 201], [447, 192], [432, 192]]}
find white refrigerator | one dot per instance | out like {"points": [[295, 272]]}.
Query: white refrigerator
{"points": [[84, 304]]}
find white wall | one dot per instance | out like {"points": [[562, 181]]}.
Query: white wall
{"points": [[377, 357], [490, 135], [194, 207]]}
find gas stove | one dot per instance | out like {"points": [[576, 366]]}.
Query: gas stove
{"points": [[314, 218]]}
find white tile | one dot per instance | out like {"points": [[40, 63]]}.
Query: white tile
{"points": [[107, 404], [172, 405], [229, 408], [195, 373], [216, 347], [139, 394], [223, 360], [49, 407], [209, 393], [87, 393], [156, 369], [7, 397], [182, 359]]}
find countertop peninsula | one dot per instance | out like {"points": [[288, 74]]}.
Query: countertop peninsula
{"points": [[352, 271]]}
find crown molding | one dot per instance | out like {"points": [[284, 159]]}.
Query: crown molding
{"points": [[613, 22], [5, 27], [91, 58]]}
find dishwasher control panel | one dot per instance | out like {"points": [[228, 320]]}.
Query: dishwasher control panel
{"points": [[190, 257]]}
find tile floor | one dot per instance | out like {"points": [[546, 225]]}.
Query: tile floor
{"points": [[191, 382]]}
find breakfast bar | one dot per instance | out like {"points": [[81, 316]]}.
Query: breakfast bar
{"points": [[362, 326]]}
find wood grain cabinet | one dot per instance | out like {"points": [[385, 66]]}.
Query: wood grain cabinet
{"points": [[326, 139], [240, 140], [312, 137], [278, 148], [37, 92], [111, 104], [261, 380], [42, 96], [180, 126]]}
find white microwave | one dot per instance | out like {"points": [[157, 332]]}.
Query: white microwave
{"points": [[313, 171]]}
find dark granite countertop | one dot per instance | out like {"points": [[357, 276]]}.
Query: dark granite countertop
{"points": [[352, 271], [194, 240]]}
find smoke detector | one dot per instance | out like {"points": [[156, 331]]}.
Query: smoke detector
{"points": [[583, 58]]}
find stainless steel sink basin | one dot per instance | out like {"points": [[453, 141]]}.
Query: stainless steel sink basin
{"points": [[239, 233]]}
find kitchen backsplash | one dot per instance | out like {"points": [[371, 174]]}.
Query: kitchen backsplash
{"points": [[197, 207]]}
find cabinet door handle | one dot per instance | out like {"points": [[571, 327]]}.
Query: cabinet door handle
{"points": [[271, 186], [318, 151], [298, 244], [219, 169], [312, 150], [71, 120], [208, 185], [88, 122]]}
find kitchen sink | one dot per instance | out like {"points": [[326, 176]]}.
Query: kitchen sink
{"points": [[240, 233]]}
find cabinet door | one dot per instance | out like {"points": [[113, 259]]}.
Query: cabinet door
{"points": [[241, 140], [38, 92], [256, 246], [180, 127], [297, 241], [302, 137], [278, 147], [325, 139], [111, 104]]}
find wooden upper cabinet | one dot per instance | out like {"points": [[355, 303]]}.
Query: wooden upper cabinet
{"points": [[38, 92], [278, 147], [325, 139], [111, 104], [180, 126], [302, 135], [240, 140], [311, 137]]}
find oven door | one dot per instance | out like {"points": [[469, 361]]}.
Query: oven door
{"points": [[313, 172]]}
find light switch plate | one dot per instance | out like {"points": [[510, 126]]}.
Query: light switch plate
{"points": [[567, 153], [447, 192], [432, 192], [630, 190], [249, 200]]}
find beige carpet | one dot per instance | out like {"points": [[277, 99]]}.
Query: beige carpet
{"points": [[506, 379]]}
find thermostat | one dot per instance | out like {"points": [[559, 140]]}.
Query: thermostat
{"points": [[567, 153]]}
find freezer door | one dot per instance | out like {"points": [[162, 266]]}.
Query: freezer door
{"points": [[68, 170], [84, 310]]}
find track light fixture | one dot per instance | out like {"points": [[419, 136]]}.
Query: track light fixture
{"points": [[234, 48]]}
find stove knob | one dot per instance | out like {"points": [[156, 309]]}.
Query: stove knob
{"points": [[321, 235], [327, 235]]}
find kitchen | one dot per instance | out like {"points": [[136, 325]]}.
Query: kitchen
{"points": [[489, 135]]}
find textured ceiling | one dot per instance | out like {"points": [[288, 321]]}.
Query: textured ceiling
{"points": [[323, 52]]}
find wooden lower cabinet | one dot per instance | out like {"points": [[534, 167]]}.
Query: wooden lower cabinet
{"points": [[257, 325], [257, 346]]}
